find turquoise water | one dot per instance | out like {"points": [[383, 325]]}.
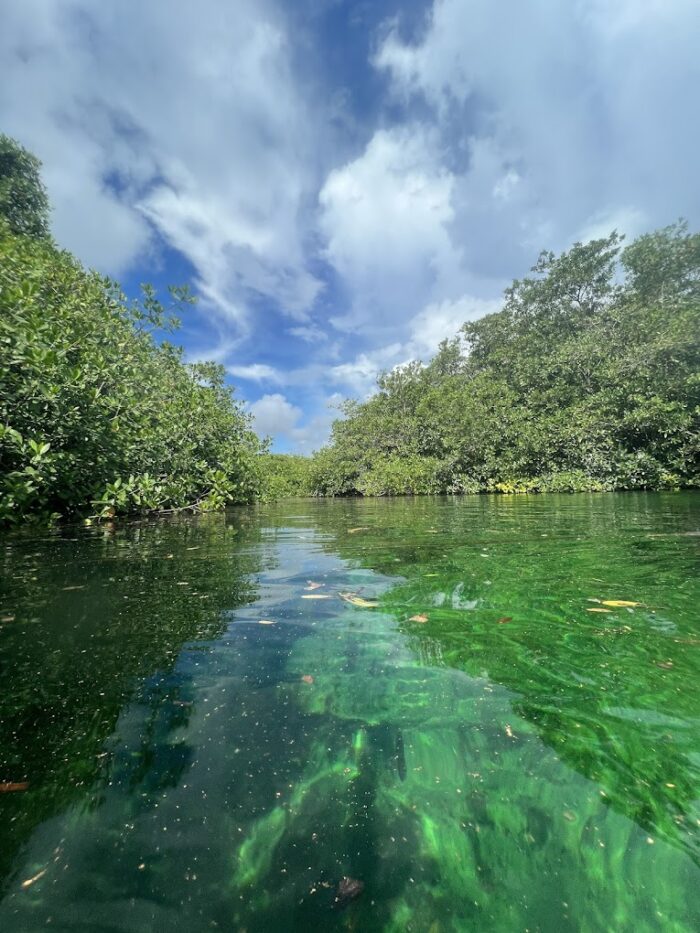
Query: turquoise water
{"points": [[460, 724]]}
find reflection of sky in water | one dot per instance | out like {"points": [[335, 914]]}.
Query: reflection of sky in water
{"points": [[472, 773]]}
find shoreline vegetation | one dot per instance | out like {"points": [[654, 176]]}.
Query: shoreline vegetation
{"points": [[588, 379]]}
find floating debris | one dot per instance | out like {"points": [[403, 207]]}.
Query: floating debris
{"points": [[620, 603], [9, 787], [358, 601], [30, 881], [348, 889], [307, 679], [266, 622]]}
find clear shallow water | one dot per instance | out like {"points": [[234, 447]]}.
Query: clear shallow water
{"points": [[506, 760]]}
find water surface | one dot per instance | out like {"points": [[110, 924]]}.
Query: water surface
{"points": [[463, 725]]}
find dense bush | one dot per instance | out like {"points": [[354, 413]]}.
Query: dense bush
{"points": [[587, 379], [95, 414], [283, 476]]}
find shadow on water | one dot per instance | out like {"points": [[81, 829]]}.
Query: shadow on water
{"points": [[88, 618], [467, 739]]}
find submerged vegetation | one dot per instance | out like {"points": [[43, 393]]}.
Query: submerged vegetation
{"points": [[587, 379]]}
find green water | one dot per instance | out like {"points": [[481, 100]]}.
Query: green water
{"points": [[509, 761]]}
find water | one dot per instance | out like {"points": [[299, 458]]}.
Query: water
{"points": [[470, 742]]}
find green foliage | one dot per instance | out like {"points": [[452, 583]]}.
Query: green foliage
{"points": [[587, 379], [23, 200], [94, 413], [284, 476]]}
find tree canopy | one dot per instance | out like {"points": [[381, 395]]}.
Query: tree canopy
{"points": [[23, 200], [588, 378], [98, 416]]}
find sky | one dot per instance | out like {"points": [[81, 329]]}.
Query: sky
{"points": [[345, 183]]}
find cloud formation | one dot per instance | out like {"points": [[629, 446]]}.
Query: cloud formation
{"points": [[342, 220], [180, 120]]}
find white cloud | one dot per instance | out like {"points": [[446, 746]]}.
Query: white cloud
{"points": [[385, 216], [425, 331], [519, 126], [310, 333], [565, 110], [257, 372], [274, 414], [277, 417], [626, 220], [187, 116], [438, 322]]}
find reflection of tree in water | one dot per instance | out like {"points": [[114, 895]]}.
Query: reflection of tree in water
{"points": [[93, 616]]}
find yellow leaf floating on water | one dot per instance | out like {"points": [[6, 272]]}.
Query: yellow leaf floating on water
{"points": [[353, 531], [30, 881], [358, 601], [418, 618], [315, 596], [596, 609], [619, 603]]}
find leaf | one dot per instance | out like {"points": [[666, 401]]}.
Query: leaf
{"points": [[596, 609], [619, 603], [265, 622], [316, 596], [30, 881], [307, 679], [418, 618], [313, 586], [358, 601], [8, 787], [504, 619], [353, 531]]}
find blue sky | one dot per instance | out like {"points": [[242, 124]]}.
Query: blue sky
{"points": [[345, 183]]}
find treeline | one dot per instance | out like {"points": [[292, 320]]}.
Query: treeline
{"points": [[587, 379], [97, 416]]}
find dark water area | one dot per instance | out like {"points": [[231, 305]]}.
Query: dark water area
{"points": [[423, 715]]}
